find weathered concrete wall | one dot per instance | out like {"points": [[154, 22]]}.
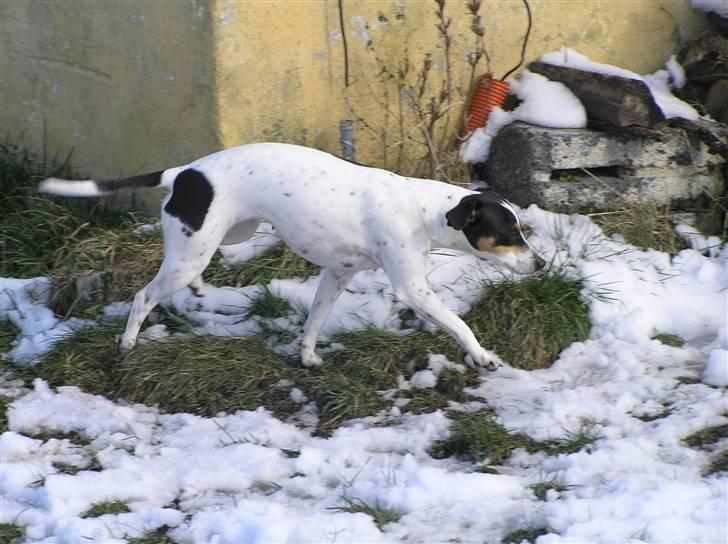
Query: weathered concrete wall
{"points": [[127, 86], [141, 84]]}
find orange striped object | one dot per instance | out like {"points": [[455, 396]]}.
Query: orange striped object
{"points": [[489, 93]]}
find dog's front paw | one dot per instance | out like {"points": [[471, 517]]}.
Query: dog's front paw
{"points": [[484, 359], [123, 344], [309, 358]]}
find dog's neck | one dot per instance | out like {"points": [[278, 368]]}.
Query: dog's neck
{"points": [[441, 200]]}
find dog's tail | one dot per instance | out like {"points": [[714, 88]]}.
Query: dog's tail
{"points": [[100, 188]]}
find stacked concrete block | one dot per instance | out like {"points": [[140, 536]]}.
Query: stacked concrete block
{"points": [[581, 170]]}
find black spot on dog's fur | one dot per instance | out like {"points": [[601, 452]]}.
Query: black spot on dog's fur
{"points": [[191, 198]]}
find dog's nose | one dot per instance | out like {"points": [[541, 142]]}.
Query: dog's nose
{"points": [[540, 263]]}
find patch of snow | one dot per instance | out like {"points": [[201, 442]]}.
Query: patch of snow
{"points": [[24, 302], [716, 369], [676, 71], [711, 245], [149, 228]]}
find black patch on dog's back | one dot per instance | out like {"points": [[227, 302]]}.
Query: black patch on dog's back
{"points": [[191, 198]]}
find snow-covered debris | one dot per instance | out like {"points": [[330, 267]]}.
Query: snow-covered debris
{"points": [[716, 6], [551, 104], [24, 302], [658, 82], [543, 102]]}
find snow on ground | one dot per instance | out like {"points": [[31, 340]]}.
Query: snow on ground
{"points": [[233, 478]]}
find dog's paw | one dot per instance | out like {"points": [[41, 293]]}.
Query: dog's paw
{"points": [[124, 345], [310, 359], [484, 359], [199, 292]]}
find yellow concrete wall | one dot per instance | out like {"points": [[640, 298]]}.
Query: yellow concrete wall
{"points": [[137, 85], [280, 64]]}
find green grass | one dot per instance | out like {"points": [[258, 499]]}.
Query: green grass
{"points": [[39, 231], [4, 403], [278, 262], [672, 340], [153, 537], [107, 507], [687, 380], [654, 417], [9, 533], [381, 515], [529, 322], [8, 333], [74, 437], [707, 436], [529, 534], [269, 305], [478, 437], [574, 441], [704, 439], [541, 489], [718, 464]]}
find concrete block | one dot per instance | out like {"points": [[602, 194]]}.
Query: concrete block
{"points": [[580, 170]]}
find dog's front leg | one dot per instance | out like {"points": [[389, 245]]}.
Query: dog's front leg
{"points": [[410, 287], [331, 285]]}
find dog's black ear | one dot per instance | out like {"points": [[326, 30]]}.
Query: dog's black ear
{"points": [[464, 213]]}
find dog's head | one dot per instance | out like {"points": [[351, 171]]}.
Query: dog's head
{"points": [[493, 230]]}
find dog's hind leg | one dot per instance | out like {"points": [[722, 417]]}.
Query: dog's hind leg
{"points": [[238, 233], [179, 269], [331, 285]]}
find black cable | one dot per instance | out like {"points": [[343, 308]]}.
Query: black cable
{"points": [[343, 40], [525, 42]]}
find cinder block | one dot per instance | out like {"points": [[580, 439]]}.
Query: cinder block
{"points": [[580, 170]]}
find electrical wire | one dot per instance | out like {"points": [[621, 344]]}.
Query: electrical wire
{"points": [[525, 42], [343, 40]]}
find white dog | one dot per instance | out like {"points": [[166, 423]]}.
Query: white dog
{"points": [[341, 216]]}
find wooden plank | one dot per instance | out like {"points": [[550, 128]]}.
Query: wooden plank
{"points": [[618, 101]]}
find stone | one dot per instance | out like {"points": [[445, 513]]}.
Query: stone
{"points": [[583, 170]]}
